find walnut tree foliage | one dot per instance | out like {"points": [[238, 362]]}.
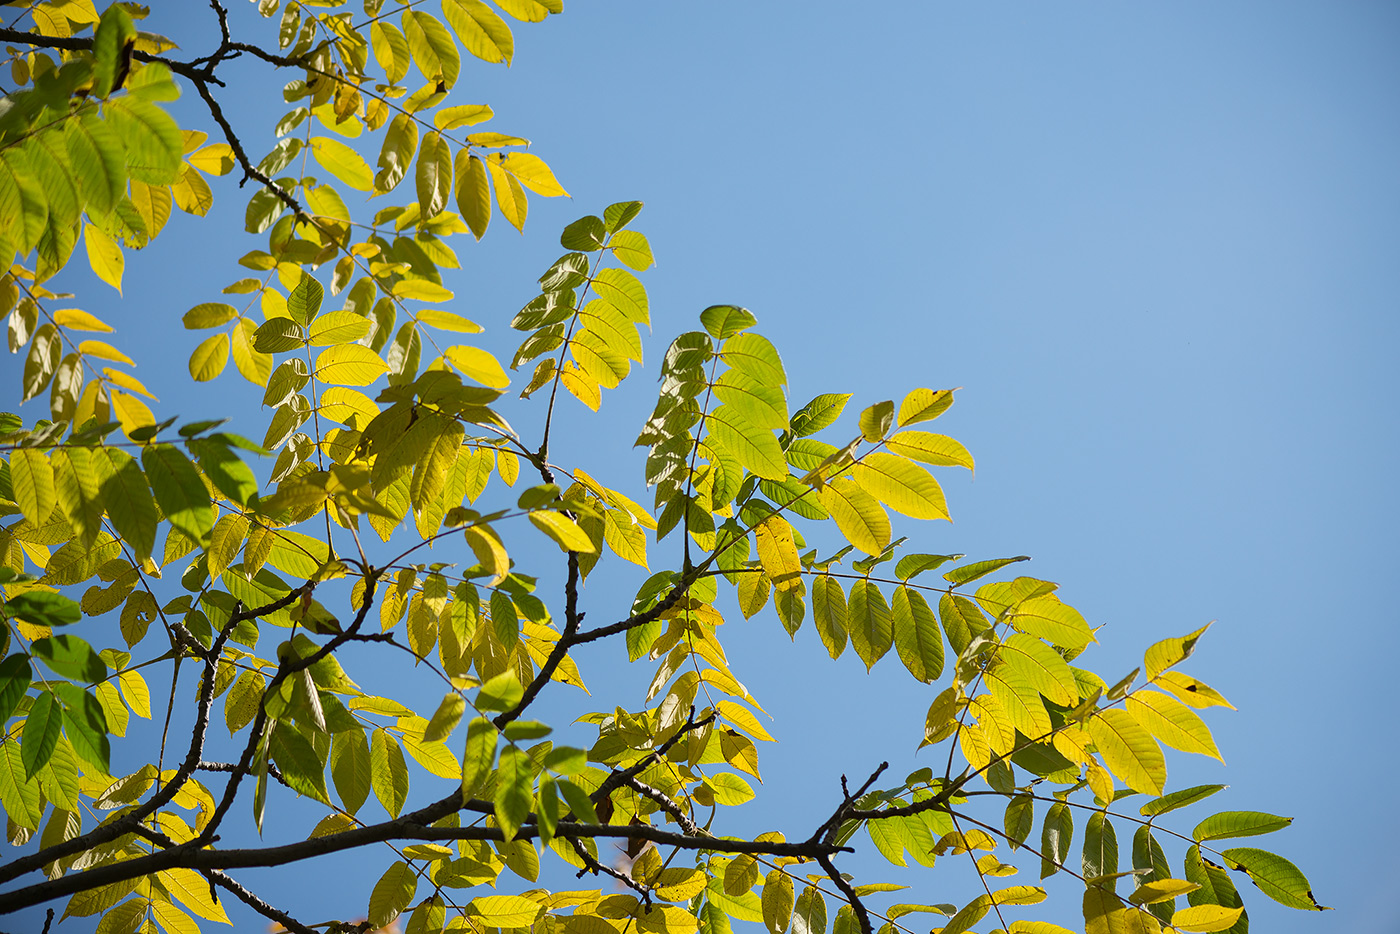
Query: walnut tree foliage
{"points": [[135, 550]]}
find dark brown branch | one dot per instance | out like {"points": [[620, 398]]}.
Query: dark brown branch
{"points": [[125, 824], [412, 826], [591, 864], [665, 802], [857, 906], [827, 831], [288, 667], [257, 904], [572, 620], [272, 770], [619, 776]]}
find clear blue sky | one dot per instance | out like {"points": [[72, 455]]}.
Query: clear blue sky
{"points": [[1155, 245]]}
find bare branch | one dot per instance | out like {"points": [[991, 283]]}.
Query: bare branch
{"points": [[257, 904]]}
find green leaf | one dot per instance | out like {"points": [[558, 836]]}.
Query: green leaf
{"points": [[1178, 799], [126, 494], [392, 894], [341, 161], [971, 572], [43, 608], [820, 413], [41, 730], [870, 622], [111, 41], [304, 303], [916, 635], [70, 657], [479, 754], [756, 448], [300, 765], [514, 790], [350, 768], [724, 321], [445, 719], [15, 677], [829, 612], [1056, 834], [388, 772], [502, 692], [1100, 854], [1019, 819], [1228, 824], [1275, 876], [178, 490]]}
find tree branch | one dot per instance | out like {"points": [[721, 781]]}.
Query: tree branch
{"points": [[224, 881], [107, 832]]}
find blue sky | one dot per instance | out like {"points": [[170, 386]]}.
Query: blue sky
{"points": [[1153, 243]]}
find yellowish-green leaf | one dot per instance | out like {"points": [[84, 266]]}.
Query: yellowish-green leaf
{"points": [[1172, 722], [902, 485], [483, 34], [1129, 751], [343, 162], [1205, 918], [349, 365], [478, 364], [504, 911], [209, 358], [857, 515], [392, 894], [565, 531], [924, 404], [193, 891]]}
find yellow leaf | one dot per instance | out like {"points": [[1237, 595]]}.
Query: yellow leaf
{"points": [[504, 911], [104, 351], [857, 515], [130, 411], [422, 290], [902, 485], [534, 174], [479, 365], [489, 552], [80, 320], [104, 256], [350, 365], [510, 198], [216, 159], [1172, 722], [342, 162], [193, 890], [172, 919], [447, 321], [255, 366], [1205, 918], [777, 553], [563, 530], [126, 381], [740, 717], [1129, 751]]}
